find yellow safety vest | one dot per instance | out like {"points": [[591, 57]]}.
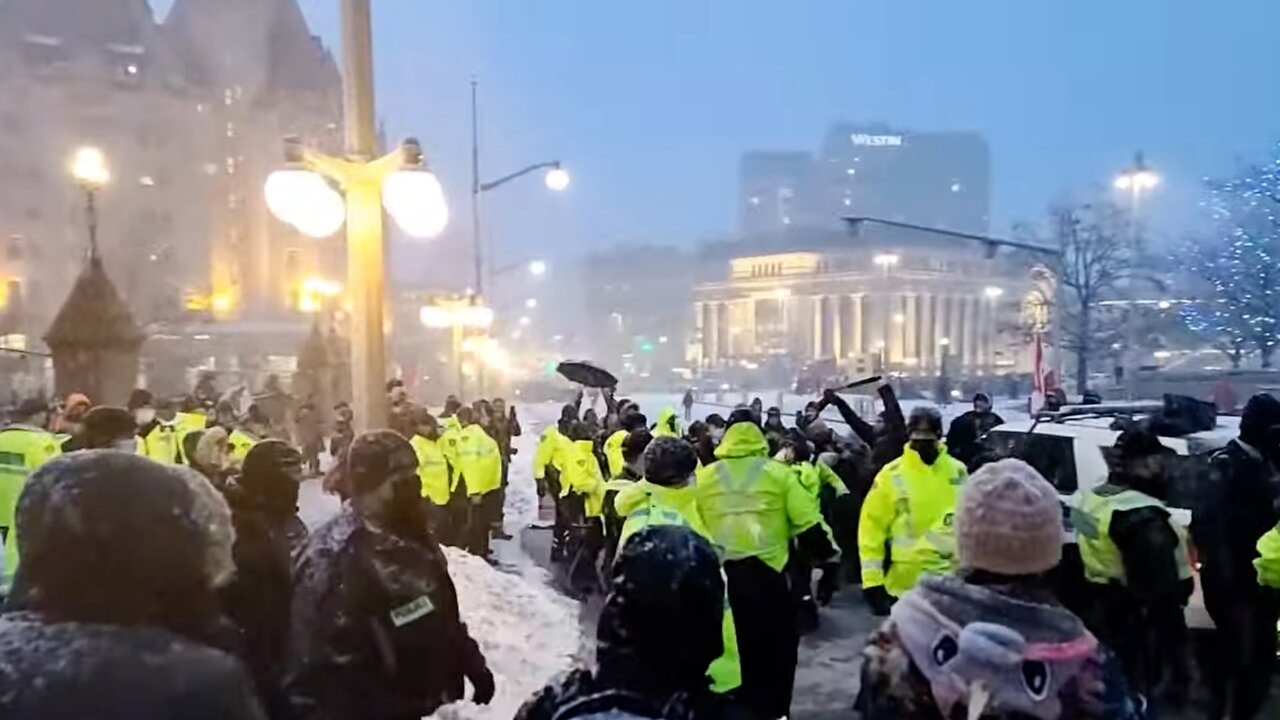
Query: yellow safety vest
{"points": [[433, 470], [613, 452], [935, 552], [22, 451], [479, 460], [239, 443], [906, 501], [644, 504], [1091, 514], [161, 444], [187, 423], [1268, 562], [580, 474]]}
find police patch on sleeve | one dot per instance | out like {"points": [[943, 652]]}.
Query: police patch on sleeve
{"points": [[405, 614]]}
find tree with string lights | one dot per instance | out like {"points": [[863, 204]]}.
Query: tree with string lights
{"points": [[1239, 310]]}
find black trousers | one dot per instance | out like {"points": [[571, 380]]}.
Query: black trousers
{"points": [[1242, 653], [480, 512], [768, 643]]}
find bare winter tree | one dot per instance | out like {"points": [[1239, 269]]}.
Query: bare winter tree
{"points": [[1093, 242]]}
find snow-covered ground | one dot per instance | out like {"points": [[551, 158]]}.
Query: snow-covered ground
{"points": [[529, 632]]}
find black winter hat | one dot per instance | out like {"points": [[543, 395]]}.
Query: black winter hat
{"points": [[669, 460], [1261, 413], [666, 584], [926, 421], [106, 423], [1139, 443], [141, 397], [373, 456], [741, 415], [634, 444]]}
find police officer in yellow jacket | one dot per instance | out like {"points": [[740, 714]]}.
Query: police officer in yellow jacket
{"points": [[25, 445], [1135, 558], [582, 492], [754, 509], [436, 475], [908, 497], [157, 438], [547, 462], [478, 460], [666, 496]]}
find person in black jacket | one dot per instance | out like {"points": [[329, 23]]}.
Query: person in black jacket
{"points": [[113, 612], [264, 500], [888, 437], [1237, 508], [658, 634], [966, 430], [376, 632]]}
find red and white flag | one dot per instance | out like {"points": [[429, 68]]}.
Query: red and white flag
{"points": [[1039, 382]]}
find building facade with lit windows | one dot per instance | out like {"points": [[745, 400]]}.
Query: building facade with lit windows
{"points": [[896, 301], [190, 113], [938, 179]]}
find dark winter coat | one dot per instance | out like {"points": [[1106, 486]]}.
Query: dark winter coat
{"points": [[1236, 508], [257, 599], [113, 608], [887, 440], [658, 633], [962, 437], [376, 633], [73, 671]]}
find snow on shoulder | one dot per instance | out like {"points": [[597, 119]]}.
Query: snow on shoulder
{"points": [[527, 631]]}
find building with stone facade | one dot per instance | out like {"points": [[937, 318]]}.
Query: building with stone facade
{"points": [[190, 113], [898, 301]]}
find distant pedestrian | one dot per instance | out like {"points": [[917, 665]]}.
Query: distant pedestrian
{"points": [[687, 403]]}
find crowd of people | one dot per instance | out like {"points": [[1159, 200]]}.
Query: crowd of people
{"points": [[156, 565]]}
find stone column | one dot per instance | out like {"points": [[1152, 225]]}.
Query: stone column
{"points": [[911, 327], [816, 346], [971, 332], [836, 303], [858, 340], [928, 335], [711, 333]]}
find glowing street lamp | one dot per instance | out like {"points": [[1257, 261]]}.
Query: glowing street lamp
{"points": [[531, 303], [89, 168], [993, 293], [537, 268], [886, 261]]}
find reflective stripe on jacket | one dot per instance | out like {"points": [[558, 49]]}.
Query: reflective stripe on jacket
{"points": [[752, 505], [907, 499], [1091, 514]]}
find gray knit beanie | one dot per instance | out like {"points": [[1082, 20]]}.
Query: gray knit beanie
{"points": [[1009, 521]]}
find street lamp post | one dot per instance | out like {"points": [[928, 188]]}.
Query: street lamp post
{"points": [[457, 315], [400, 181], [89, 168], [557, 179], [1134, 180]]}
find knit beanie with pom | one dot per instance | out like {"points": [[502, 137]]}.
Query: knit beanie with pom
{"points": [[1009, 521]]}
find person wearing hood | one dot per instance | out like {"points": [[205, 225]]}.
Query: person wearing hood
{"points": [[908, 497], [376, 632], [755, 509], [114, 612], [629, 421], [774, 431], [657, 635], [1135, 558], [1237, 509], [633, 471], [991, 641], [25, 446], [666, 496], [157, 439], [264, 512], [667, 425], [478, 460], [548, 460], [966, 430]]}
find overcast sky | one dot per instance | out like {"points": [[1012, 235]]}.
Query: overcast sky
{"points": [[652, 102]]}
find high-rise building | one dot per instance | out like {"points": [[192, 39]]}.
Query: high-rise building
{"points": [[190, 114], [937, 179]]}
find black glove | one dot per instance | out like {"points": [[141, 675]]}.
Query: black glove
{"points": [[542, 487], [879, 599], [828, 581], [830, 396], [482, 687]]}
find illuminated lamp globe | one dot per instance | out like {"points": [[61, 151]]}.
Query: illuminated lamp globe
{"points": [[558, 179], [294, 193], [416, 200], [327, 216]]}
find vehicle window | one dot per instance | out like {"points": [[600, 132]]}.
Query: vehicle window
{"points": [[1051, 455]]}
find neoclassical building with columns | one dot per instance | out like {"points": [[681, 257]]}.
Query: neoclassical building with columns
{"points": [[900, 304]]}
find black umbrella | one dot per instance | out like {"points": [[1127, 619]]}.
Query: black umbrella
{"points": [[587, 374]]}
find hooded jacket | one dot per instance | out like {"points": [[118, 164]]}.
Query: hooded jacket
{"points": [[666, 426], [113, 610], [376, 632], [752, 505], [954, 649], [658, 633]]}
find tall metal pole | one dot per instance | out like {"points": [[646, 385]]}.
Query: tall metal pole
{"points": [[91, 216], [366, 264], [475, 188]]}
